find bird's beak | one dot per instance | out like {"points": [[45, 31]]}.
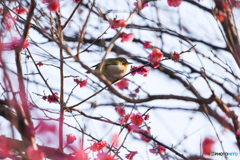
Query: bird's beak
{"points": [[130, 63]]}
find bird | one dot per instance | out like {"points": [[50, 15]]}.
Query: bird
{"points": [[113, 68]]}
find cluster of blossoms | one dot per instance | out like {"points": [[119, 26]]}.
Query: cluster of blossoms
{"points": [[118, 23], [135, 125], [50, 98], [140, 70], [98, 147], [125, 37], [157, 56], [81, 82]]}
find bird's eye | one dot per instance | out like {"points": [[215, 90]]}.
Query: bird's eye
{"points": [[124, 61]]}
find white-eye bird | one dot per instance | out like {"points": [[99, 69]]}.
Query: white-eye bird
{"points": [[113, 68]]}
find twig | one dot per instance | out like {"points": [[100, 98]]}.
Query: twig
{"points": [[83, 29], [70, 17]]}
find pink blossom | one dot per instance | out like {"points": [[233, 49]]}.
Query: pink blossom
{"points": [[5, 148], [142, 71], [134, 128], [51, 98], [105, 156], [127, 37], [174, 3], [131, 155], [238, 132], [82, 83], [143, 137], [98, 146], [46, 127], [158, 150], [35, 154], [9, 21], [115, 139], [120, 110], [13, 45], [71, 138], [17, 43], [125, 119], [136, 90], [143, 5], [137, 119], [147, 44], [154, 151], [123, 84], [146, 117], [21, 10], [25, 44], [81, 155], [40, 64], [118, 23], [155, 57], [175, 56], [162, 149], [53, 5], [207, 145]]}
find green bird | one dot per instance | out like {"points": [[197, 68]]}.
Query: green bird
{"points": [[113, 68]]}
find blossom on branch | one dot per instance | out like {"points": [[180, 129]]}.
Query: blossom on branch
{"points": [[20, 10], [143, 137], [137, 119], [120, 110], [174, 3], [118, 23], [133, 128], [53, 5], [105, 156], [142, 70], [127, 37], [15, 43], [125, 119], [35, 154], [207, 145], [143, 5], [147, 44], [82, 83], [98, 146], [71, 138], [155, 57], [175, 56], [159, 149], [131, 155], [51, 98], [123, 84], [9, 21], [40, 64]]}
